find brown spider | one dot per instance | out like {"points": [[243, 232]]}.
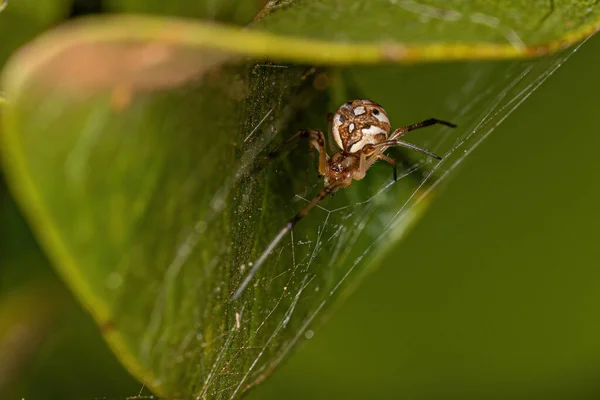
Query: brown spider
{"points": [[361, 130]]}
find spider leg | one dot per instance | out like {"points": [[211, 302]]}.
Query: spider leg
{"points": [[315, 138], [411, 146], [423, 124], [374, 153], [327, 190], [363, 165], [390, 161]]}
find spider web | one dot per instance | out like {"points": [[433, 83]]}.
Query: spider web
{"points": [[326, 254], [321, 259]]}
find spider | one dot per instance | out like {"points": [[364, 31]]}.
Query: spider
{"points": [[361, 129]]}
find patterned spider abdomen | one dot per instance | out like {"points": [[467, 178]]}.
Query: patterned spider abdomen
{"points": [[358, 123]]}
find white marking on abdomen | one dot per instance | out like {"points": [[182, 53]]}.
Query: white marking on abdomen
{"points": [[359, 110], [373, 130], [382, 117], [336, 130], [369, 137]]}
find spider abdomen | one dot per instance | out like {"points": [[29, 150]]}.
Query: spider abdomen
{"points": [[359, 123]]}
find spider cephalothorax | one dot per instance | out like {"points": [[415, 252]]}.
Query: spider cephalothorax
{"points": [[361, 129], [341, 168]]}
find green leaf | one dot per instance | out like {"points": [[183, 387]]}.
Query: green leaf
{"points": [[408, 30], [136, 147], [455, 22], [134, 193]]}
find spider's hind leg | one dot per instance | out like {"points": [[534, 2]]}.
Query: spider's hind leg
{"points": [[326, 191], [390, 161]]}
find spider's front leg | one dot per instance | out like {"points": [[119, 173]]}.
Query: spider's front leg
{"points": [[317, 140], [389, 143], [368, 155], [390, 161], [423, 124]]}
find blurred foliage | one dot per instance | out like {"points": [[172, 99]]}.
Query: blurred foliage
{"points": [[111, 230], [49, 347], [22, 21]]}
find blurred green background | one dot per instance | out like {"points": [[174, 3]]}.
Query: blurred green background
{"points": [[514, 231]]}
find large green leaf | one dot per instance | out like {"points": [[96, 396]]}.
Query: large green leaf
{"points": [[437, 29], [516, 22], [138, 188], [136, 147]]}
